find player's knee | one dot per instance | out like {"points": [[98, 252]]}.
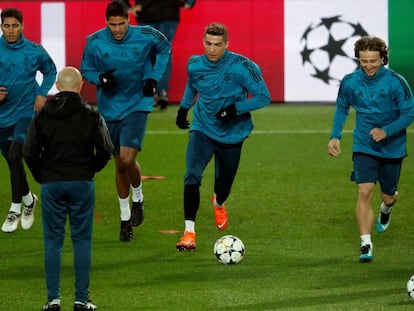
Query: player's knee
{"points": [[191, 179], [389, 200], [124, 163], [15, 154]]}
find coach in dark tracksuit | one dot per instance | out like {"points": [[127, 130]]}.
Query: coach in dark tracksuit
{"points": [[67, 143]]}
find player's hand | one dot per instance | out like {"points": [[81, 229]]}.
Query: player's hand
{"points": [[377, 134], [227, 113], [107, 79], [40, 102], [3, 93], [149, 88], [334, 147], [181, 119]]}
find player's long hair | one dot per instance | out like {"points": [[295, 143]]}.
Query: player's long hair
{"points": [[372, 44]]}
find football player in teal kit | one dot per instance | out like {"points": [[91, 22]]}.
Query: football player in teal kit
{"points": [[117, 59], [384, 107], [222, 87]]}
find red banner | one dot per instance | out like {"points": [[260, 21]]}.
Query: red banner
{"points": [[255, 30]]}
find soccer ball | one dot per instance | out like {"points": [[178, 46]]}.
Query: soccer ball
{"points": [[410, 288], [229, 250], [328, 48]]}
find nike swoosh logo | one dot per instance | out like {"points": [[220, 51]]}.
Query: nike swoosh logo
{"points": [[220, 226]]}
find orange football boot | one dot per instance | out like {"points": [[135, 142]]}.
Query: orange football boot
{"points": [[187, 242], [220, 215]]}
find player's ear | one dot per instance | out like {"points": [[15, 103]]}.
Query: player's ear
{"points": [[80, 86]]}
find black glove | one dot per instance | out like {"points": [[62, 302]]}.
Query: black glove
{"points": [[107, 79], [149, 88], [181, 119], [227, 113]]}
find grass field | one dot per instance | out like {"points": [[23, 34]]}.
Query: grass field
{"points": [[292, 205]]}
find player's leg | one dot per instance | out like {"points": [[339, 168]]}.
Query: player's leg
{"points": [[13, 217], [19, 184], [227, 159], [198, 155], [82, 202], [389, 177], [128, 172], [365, 175], [131, 141], [126, 233]]}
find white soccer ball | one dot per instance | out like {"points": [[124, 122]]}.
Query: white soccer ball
{"points": [[229, 250], [410, 288]]}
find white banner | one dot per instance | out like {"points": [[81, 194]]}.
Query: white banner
{"points": [[319, 43]]}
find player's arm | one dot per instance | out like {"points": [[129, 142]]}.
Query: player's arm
{"points": [[162, 51], [88, 67], [190, 93], [404, 100], [340, 116], [252, 80], [39, 102], [186, 103], [48, 69]]}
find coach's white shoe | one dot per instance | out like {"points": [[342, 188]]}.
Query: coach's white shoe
{"points": [[11, 223], [28, 214]]}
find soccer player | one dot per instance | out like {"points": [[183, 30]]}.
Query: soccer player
{"points": [[225, 86], [64, 156], [117, 59], [163, 15], [384, 107], [20, 96]]}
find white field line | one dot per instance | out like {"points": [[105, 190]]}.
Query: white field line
{"points": [[260, 132], [255, 132]]}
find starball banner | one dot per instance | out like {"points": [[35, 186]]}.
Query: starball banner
{"points": [[304, 47]]}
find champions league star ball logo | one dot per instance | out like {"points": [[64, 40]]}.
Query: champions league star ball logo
{"points": [[328, 48]]}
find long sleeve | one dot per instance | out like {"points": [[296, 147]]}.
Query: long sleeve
{"points": [[252, 81], [341, 112], [404, 100], [48, 69], [162, 51]]}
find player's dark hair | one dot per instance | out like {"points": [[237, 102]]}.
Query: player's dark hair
{"points": [[372, 44], [216, 29], [12, 12], [116, 8]]}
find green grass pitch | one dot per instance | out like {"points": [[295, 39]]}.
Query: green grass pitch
{"points": [[292, 205]]}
